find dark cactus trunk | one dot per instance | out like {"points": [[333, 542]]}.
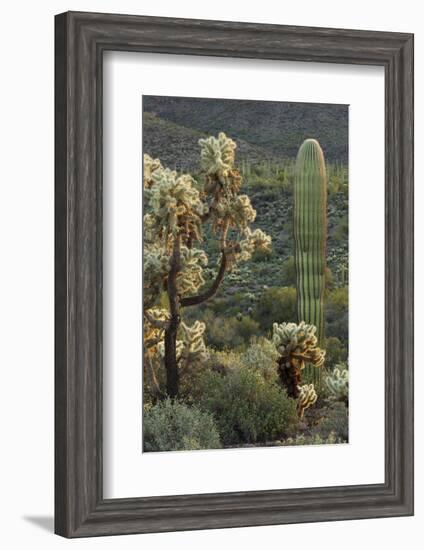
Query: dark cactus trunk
{"points": [[290, 376], [171, 363]]}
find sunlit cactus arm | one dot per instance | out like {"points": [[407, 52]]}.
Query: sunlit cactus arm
{"points": [[190, 277], [217, 155], [307, 397], [194, 348], [213, 289], [337, 384], [155, 322], [150, 166], [155, 270], [190, 347], [299, 342]]}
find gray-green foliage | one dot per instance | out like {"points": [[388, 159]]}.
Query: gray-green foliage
{"points": [[337, 383], [173, 426], [261, 356], [247, 408], [337, 314], [275, 305], [313, 439], [335, 420], [224, 332], [335, 352]]}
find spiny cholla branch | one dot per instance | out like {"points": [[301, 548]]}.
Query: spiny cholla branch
{"points": [[297, 344]]}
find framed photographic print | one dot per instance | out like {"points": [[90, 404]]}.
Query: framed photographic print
{"points": [[234, 274]]}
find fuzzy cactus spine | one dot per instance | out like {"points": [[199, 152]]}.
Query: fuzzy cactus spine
{"points": [[310, 235]]}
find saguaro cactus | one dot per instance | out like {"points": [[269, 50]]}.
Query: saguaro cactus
{"points": [[310, 235]]}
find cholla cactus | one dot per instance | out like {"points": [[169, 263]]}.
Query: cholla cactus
{"points": [[237, 210], [155, 322], [149, 166], [190, 277], [337, 384], [307, 397], [217, 156], [191, 348], [194, 348], [252, 241], [296, 344], [155, 270], [177, 207], [174, 203]]}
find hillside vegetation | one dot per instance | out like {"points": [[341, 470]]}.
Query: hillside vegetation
{"points": [[277, 128], [220, 272]]}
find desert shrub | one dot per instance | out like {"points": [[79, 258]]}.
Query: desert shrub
{"points": [[261, 355], [246, 407], [173, 426], [276, 305], [335, 351], [338, 299], [289, 272], [336, 313], [246, 327], [314, 439], [223, 332], [335, 420], [341, 231], [223, 361]]}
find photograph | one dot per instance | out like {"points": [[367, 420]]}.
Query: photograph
{"points": [[245, 273]]}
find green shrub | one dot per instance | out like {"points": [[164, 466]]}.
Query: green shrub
{"points": [[335, 352], [247, 408], [173, 426], [261, 355], [341, 232], [337, 314], [289, 272], [314, 439], [224, 332], [276, 305], [336, 421]]}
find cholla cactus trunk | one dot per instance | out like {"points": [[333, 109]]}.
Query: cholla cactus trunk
{"points": [[310, 235], [171, 363]]}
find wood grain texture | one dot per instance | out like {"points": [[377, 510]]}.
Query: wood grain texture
{"points": [[81, 39]]}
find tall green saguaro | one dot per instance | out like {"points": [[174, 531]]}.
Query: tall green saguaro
{"points": [[310, 236]]}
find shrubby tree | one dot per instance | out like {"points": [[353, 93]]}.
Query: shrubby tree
{"points": [[178, 209]]}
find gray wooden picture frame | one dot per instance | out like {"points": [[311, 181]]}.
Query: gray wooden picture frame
{"points": [[80, 40]]}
